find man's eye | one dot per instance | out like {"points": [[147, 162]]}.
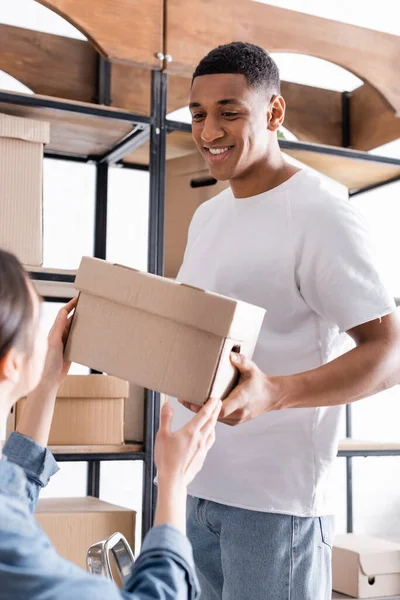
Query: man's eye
{"points": [[230, 114], [197, 116]]}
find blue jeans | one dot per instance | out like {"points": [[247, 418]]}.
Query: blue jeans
{"points": [[249, 555]]}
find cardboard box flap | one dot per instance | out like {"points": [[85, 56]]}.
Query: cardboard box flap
{"points": [[376, 556], [21, 128], [93, 386], [169, 299], [86, 504]]}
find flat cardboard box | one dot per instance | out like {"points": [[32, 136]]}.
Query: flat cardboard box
{"points": [[187, 186], [365, 567], [89, 410], [21, 175], [74, 524], [158, 333]]}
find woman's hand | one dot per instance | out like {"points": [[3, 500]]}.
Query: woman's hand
{"points": [[56, 368], [36, 418], [180, 456]]}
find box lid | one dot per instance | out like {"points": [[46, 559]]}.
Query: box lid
{"points": [[21, 128], [376, 556], [93, 386], [167, 298], [87, 504]]}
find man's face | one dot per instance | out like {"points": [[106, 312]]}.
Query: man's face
{"points": [[229, 124]]}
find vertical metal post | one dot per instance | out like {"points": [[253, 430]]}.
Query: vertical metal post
{"points": [[346, 124], [93, 479], [349, 475], [103, 81], [156, 266], [100, 219], [100, 231]]}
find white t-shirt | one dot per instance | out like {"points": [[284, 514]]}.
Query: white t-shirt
{"points": [[305, 256]]}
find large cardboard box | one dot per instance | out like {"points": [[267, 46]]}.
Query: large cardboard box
{"points": [[365, 567], [158, 333], [188, 184], [89, 410], [21, 174], [74, 524]]}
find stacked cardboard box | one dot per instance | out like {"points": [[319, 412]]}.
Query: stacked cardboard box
{"points": [[21, 168], [89, 410], [74, 524], [365, 567]]}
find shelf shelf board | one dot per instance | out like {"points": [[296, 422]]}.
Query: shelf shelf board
{"points": [[103, 452], [353, 168], [76, 128], [354, 447]]}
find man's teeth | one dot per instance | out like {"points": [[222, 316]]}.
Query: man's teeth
{"points": [[218, 150]]}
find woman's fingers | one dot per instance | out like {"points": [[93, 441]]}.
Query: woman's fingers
{"points": [[209, 425], [204, 414], [166, 418]]}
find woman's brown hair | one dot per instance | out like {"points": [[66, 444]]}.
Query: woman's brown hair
{"points": [[16, 305]]}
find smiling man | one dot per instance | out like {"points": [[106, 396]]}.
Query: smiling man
{"points": [[259, 512]]}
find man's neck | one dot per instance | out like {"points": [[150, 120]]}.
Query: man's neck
{"points": [[266, 175]]}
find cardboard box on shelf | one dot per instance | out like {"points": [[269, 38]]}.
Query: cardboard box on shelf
{"points": [[158, 333], [188, 185], [365, 567], [74, 524], [21, 174], [89, 410], [134, 414]]}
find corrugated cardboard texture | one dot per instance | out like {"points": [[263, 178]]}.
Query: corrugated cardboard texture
{"points": [[89, 410], [176, 353], [150, 294], [365, 567], [21, 166], [181, 202], [93, 386], [134, 414], [74, 524]]}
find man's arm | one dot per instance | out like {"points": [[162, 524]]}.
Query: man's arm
{"points": [[371, 367]]}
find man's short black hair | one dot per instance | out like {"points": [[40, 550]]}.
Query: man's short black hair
{"points": [[245, 59]]}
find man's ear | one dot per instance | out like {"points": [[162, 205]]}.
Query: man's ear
{"points": [[276, 113]]}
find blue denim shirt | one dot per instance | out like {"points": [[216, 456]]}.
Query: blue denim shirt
{"points": [[30, 567]]}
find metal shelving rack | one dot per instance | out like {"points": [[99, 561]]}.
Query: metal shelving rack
{"points": [[155, 128], [145, 128]]}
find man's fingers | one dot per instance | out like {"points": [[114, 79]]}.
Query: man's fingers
{"points": [[233, 403], [193, 407], [241, 362]]}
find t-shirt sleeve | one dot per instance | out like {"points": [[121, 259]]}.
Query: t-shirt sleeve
{"points": [[336, 268]]}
